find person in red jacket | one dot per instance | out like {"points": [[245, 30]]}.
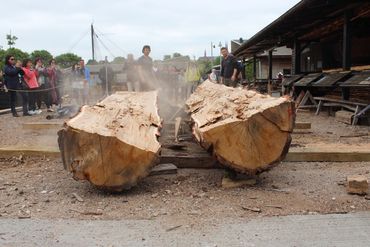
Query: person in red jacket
{"points": [[31, 80], [52, 79]]}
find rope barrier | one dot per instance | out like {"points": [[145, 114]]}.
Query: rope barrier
{"points": [[31, 91]]}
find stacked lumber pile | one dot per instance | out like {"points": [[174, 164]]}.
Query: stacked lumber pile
{"points": [[246, 131], [113, 144]]}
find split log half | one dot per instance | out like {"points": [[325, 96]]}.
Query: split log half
{"points": [[246, 131], [113, 144]]}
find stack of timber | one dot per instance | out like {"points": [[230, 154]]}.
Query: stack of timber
{"points": [[246, 131], [113, 144]]}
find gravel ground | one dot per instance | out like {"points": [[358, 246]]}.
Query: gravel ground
{"points": [[39, 188]]}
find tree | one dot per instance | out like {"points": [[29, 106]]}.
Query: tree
{"points": [[67, 59], [217, 61], [119, 60], [249, 71], [166, 57], [91, 62], [176, 54], [11, 39], [45, 56], [204, 66], [17, 53]]}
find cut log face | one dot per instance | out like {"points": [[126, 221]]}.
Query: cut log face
{"points": [[246, 131], [113, 144]]}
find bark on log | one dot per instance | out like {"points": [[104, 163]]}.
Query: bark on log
{"points": [[113, 144], [246, 131]]}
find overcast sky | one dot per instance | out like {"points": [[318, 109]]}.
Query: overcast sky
{"points": [[125, 26]]}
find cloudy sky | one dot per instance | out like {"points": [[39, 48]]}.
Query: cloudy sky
{"points": [[169, 26]]}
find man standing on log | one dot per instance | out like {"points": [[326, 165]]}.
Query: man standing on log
{"points": [[145, 69], [229, 68]]}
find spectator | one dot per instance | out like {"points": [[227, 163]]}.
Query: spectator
{"points": [[229, 68], [83, 75], [12, 76], [104, 74], [52, 83], [31, 80], [44, 86], [133, 83], [77, 84], [145, 69]]}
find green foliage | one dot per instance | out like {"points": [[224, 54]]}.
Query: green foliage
{"points": [[119, 60], [67, 60], [204, 66], [249, 71], [166, 57], [17, 53], [45, 56], [11, 39], [217, 61], [176, 54], [91, 62]]}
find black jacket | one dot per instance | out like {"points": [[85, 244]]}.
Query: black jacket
{"points": [[12, 76], [228, 65]]}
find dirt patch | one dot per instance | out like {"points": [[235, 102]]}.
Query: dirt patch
{"points": [[39, 188]]}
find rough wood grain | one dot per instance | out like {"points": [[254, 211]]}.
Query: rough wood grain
{"points": [[245, 130], [113, 144]]}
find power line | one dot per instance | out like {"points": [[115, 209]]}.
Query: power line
{"points": [[78, 41], [113, 43], [102, 43]]}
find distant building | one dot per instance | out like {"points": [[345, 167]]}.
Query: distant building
{"points": [[235, 44], [281, 62]]}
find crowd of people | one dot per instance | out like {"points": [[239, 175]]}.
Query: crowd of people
{"points": [[34, 82], [39, 85]]}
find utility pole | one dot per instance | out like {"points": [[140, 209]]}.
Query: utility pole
{"points": [[212, 46], [106, 77], [92, 42]]}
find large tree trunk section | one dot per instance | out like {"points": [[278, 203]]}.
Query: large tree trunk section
{"points": [[114, 143], [246, 131]]}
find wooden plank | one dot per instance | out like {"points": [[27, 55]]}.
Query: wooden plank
{"points": [[36, 151], [42, 125], [302, 125], [206, 161], [360, 68], [340, 101], [317, 156], [8, 110], [191, 161], [163, 169]]}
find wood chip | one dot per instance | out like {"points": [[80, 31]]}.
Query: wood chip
{"points": [[173, 228], [78, 198], [24, 217], [86, 212], [274, 206], [257, 210]]}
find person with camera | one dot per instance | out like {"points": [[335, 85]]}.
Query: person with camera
{"points": [[31, 85], [12, 82]]}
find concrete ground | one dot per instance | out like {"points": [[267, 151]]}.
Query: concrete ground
{"points": [[296, 230]]}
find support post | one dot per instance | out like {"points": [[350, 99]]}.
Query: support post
{"points": [[92, 42], [254, 67], [347, 37], [106, 77], [296, 57], [270, 73]]}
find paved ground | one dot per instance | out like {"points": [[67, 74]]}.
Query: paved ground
{"points": [[309, 230]]}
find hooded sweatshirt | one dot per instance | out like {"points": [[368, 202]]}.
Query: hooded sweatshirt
{"points": [[30, 78]]}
